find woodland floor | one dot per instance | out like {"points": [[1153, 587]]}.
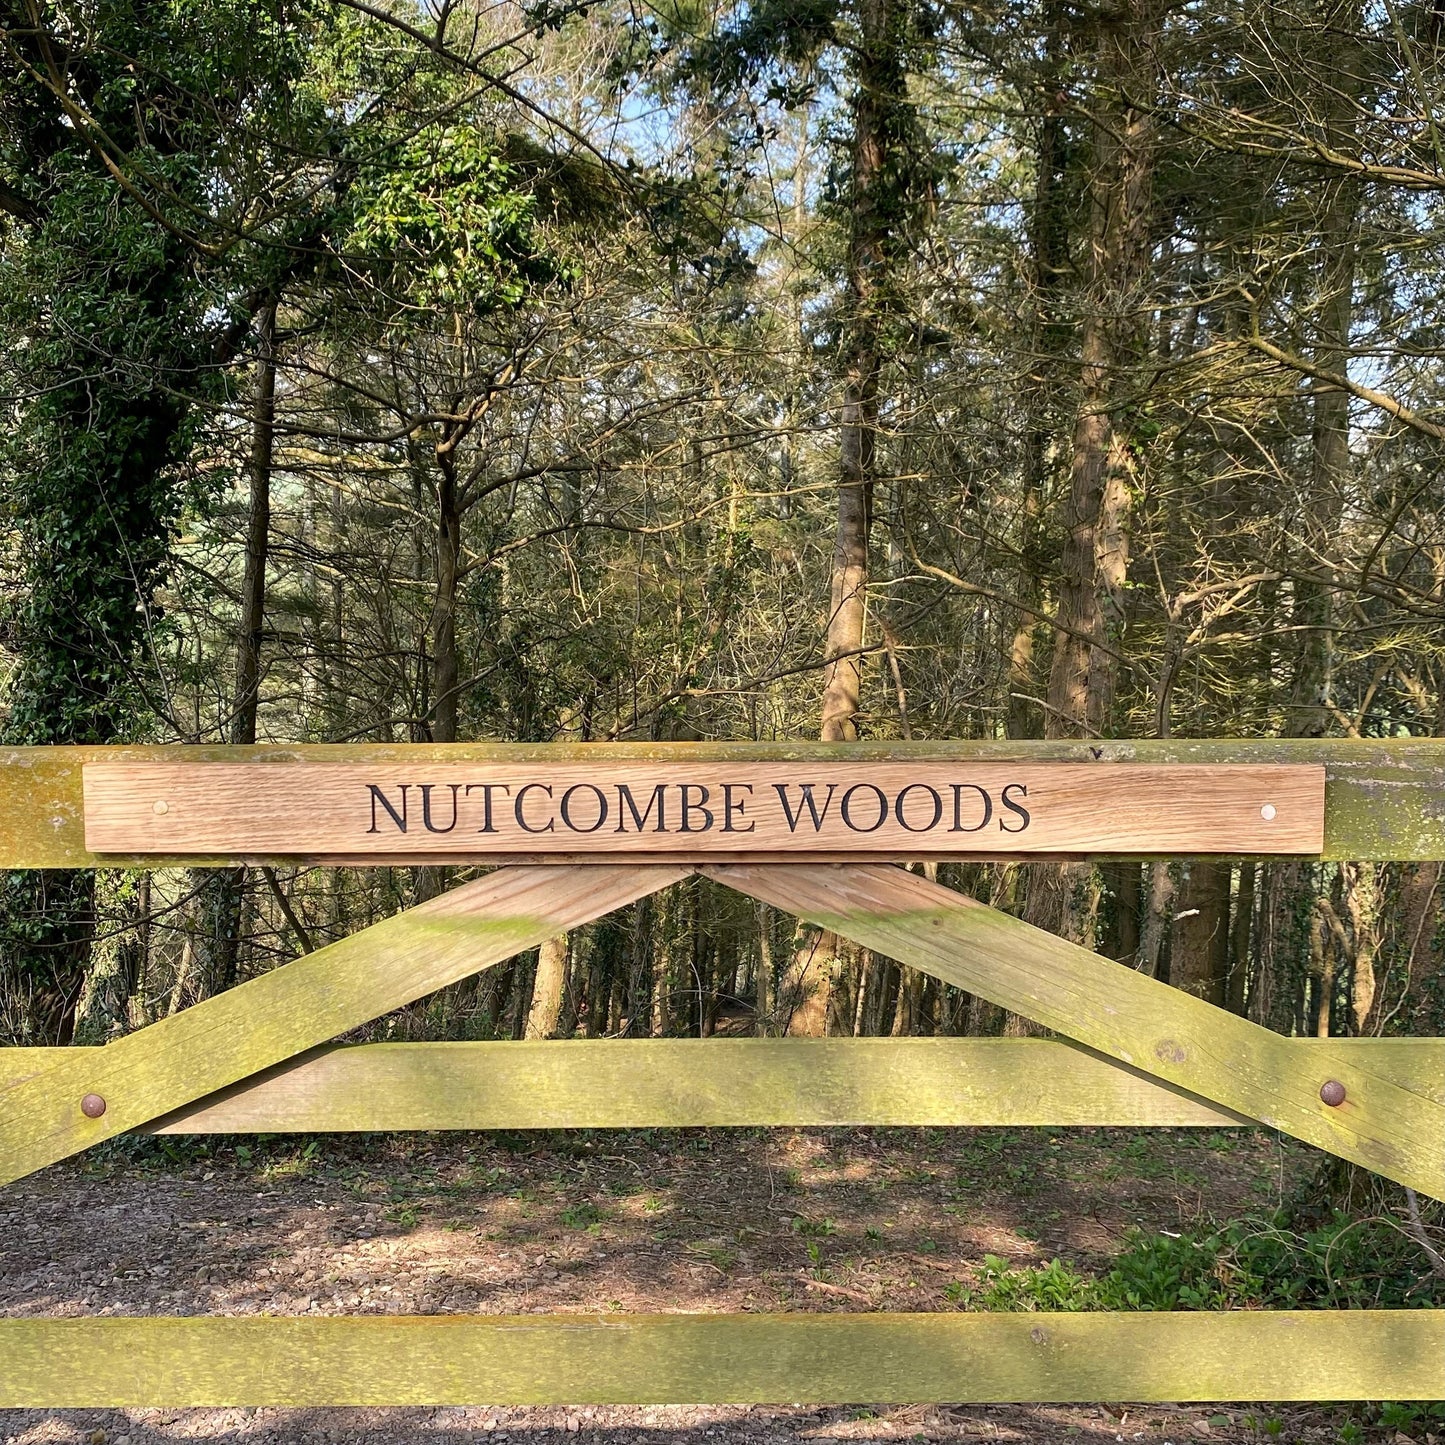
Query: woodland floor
{"points": [[713, 1220]]}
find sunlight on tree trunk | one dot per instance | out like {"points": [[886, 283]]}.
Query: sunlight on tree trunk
{"points": [[548, 989]]}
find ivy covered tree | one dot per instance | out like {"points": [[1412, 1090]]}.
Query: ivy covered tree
{"points": [[167, 172], [126, 287]]}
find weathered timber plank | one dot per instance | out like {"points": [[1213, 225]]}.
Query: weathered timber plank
{"points": [[1383, 799], [302, 1004], [674, 1083], [1169, 1034], [754, 1358], [351, 810]]}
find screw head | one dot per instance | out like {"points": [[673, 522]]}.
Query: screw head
{"points": [[1268, 813], [160, 807], [1332, 1092], [92, 1106]]}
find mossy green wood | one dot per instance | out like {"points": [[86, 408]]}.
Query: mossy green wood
{"points": [[673, 1083], [754, 1358], [302, 1004], [1383, 799], [1170, 1035]]}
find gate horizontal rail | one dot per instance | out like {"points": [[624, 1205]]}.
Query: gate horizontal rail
{"points": [[727, 1082], [882, 1358], [1384, 800]]}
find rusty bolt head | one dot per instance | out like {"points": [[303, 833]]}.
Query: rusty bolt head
{"points": [[1333, 1093], [92, 1106]]}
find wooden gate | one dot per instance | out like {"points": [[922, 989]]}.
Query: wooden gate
{"points": [[811, 830]]}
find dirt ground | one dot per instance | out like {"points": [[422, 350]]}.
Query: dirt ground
{"points": [[711, 1220]]}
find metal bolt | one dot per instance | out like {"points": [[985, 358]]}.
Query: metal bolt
{"points": [[1333, 1093], [161, 807], [92, 1106], [1268, 813]]}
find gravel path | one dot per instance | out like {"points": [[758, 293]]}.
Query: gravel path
{"points": [[693, 1220]]}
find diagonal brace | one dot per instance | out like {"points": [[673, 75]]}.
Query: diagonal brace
{"points": [[1159, 1030], [304, 1003]]}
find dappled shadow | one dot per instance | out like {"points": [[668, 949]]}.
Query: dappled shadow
{"points": [[630, 1220], [666, 1425], [627, 1221]]}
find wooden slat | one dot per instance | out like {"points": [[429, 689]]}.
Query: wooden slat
{"points": [[1383, 799], [675, 1083], [302, 1004], [703, 1359], [328, 811], [1144, 1023]]}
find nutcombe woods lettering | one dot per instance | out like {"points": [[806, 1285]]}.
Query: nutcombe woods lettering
{"points": [[683, 807]]}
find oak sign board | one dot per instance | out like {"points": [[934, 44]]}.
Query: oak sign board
{"points": [[395, 812]]}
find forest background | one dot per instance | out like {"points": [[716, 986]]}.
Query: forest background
{"points": [[600, 371]]}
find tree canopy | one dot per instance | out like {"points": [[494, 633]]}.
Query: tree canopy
{"points": [[436, 371]]}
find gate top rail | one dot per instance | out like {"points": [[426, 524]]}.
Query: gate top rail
{"points": [[1384, 800]]}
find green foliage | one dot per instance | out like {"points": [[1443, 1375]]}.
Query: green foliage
{"points": [[46, 921], [1407, 1417], [110, 321], [814, 1228], [1346, 1263], [1053, 1286], [581, 1216], [114, 307], [776, 41], [92, 468], [1257, 1263], [204, 156], [448, 222]]}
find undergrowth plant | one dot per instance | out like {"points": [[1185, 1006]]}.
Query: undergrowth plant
{"points": [[1254, 1263]]}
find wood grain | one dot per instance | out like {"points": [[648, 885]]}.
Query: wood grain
{"points": [[1384, 799], [701, 1359], [1144, 1023], [331, 810], [302, 1004], [673, 1083]]}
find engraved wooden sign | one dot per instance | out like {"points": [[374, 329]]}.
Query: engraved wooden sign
{"points": [[398, 812]]}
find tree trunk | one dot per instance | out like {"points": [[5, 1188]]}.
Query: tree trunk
{"points": [[1121, 936], [445, 666], [548, 988], [804, 993], [799, 342], [766, 1003], [843, 647], [1094, 564], [1199, 949], [878, 103], [881, 119], [1158, 912], [220, 892], [1049, 259], [1095, 560], [1241, 935], [446, 669], [258, 533], [1417, 947], [1293, 885], [1311, 701]]}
